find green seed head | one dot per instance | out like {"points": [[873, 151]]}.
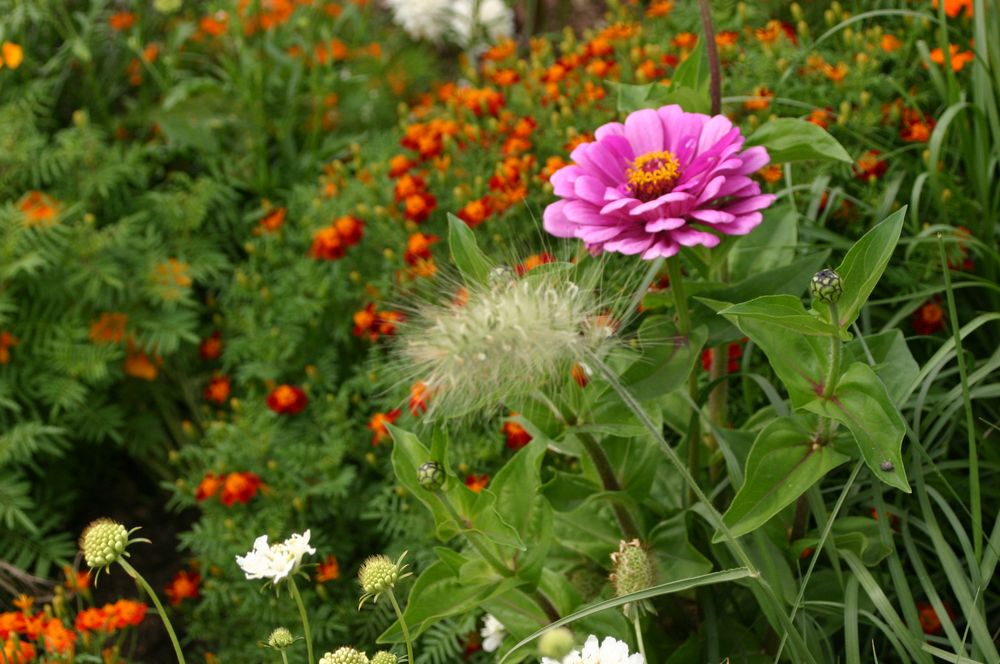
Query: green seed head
{"points": [[431, 476], [633, 568], [280, 639], [344, 655], [384, 657], [103, 542], [378, 574], [556, 643], [826, 286], [588, 582]]}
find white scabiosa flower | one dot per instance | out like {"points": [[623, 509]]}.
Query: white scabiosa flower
{"points": [[608, 651], [493, 633], [494, 21], [275, 562], [421, 19], [503, 342]]}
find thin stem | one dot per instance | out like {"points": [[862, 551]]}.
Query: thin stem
{"points": [[684, 327], [835, 350], [963, 374], [638, 635], [305, 619], [680, 298], [712, 49], [402, 625], [284, 657], [131, 571], [628, 525]]}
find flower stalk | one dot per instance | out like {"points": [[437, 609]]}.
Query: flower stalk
{"points": [[131, 571], [304, 617], [712, 49], [402, 625], [626, 522], [684, 327]]}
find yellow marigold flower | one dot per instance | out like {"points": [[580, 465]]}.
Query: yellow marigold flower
{"points": [[11, 55]]}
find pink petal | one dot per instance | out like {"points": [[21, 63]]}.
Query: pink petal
{"points": [[750, 204], [589, 189], [555, 222], [562, 180], [742, 225], [690, 237], [667, 224], [712, 216], [644, 132], [754, 159], [665, 248]]}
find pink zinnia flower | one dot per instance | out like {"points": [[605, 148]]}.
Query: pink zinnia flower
{"points": [[662, 180]]}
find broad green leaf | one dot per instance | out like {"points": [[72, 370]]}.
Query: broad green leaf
{"points": [[792, 139], [770, 246], [469, 258], [517, 484], [693, 73], [783, 463], [486, 519], [675, 556], [792, 279], [667, 358], [631, 98], [780, 312], [862, 404], [568, 491], [894, 363], [408, 454], [864, 264]]}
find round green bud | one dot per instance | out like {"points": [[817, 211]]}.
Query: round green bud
{"points": [[384, 657], [633, 568], [344, 655], [826, 286], [280, 639], [588, 582], [103, 542], [556, 643], [431, 476], [378, 574]]}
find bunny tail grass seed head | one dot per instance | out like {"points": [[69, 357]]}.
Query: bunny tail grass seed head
{"points": [[504, 339]]}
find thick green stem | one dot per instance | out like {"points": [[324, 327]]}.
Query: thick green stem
{"points": [[638, 635], [684, 327], [835, 351], [610, 481], [284, 657], [402, 625], [304, 617], [131, 571]]}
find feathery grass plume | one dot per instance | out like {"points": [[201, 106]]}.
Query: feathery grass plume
{"points": [[506, 339]]}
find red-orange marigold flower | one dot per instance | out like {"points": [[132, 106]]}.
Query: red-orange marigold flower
{"points": [[890, 43], [273, 220], [955, 7], [120, 21], [418, 247], [377, 424], [139, 365], [327, 245], [76, 580], [287, 400], [19, 651], [328, 570], [240, 488], [762, 99], [929, 318], [217, 389], [108, 328], [7, 341], [92, 619], [419, 394], [516, 435], [533, 261], [351, 229], [958, 59], [208, 487], [475, 212], [57, 638], [869, 166], [211, 346], [126, 613], [183, 586], [38, 209], [930, 622], [477, 482]]}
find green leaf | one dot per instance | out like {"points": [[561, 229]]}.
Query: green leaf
{"points": [[693, 73], [649, 593], [780, 312], [783, 463], [792, 139], [862, 404], [676, 558], [666, 359], [630, 98], [864, 264], [771, 245], [894, 362], [469, 258]]}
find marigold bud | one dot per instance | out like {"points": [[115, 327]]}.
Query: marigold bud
{"points": [[344, 655], [826, 286], [280, 639], [103, 542], [384, 657], [431, 476]]}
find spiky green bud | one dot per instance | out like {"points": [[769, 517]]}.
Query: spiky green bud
{"points": [[384, 657], [556, 643], [344, 655], [826, 286], [103, 542], [633, 568], [378, 574], [280, 639], [431, 476]]}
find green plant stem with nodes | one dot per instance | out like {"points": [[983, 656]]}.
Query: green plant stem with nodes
{"points": [[975, 501], [630, 530], [713, 515], [402, 625], [304, 617], [684, 327], [131, 571], [638, 635], [498, 565]]}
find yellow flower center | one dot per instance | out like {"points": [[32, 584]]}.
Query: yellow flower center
{"points": [[652, 174]]}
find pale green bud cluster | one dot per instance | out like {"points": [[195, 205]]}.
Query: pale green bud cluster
{"points": [[103, 542], [378, 574], [280, 639], [633, 568], [345, 655], [384, 657]]}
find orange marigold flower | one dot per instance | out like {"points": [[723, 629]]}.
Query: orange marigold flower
{"points": [[774, 29], [214, 25], [928, 318], [958, 60], [869, 166], [91, 620], [533, 261], [120, 21], [835, 73], [475, 212], [38, 209], [685, 40], [398, 165], [328, 570], [500, 51], [762, 99], [477, 482], [24, 602], [208, 487], [76, 580], [418, 207], [364, 322], [955, 7], [659, 8], [7, 341], [327, 245], [12, 622], [930, 622], [19, 652], [726, 38], [916, 126], [12, 55], [820, 117], [505, 77], [211, 346], [273, 220], [419, 395], [418, 247], [240, 488], [408, 185], [771, 173], [890, 43], [183, 586], [139, 365], [126, 613], [350, 229], [378, 424], [287, 400], [217, 389], [516, 435], [57, 638], [172, 278], [108, 328]]}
